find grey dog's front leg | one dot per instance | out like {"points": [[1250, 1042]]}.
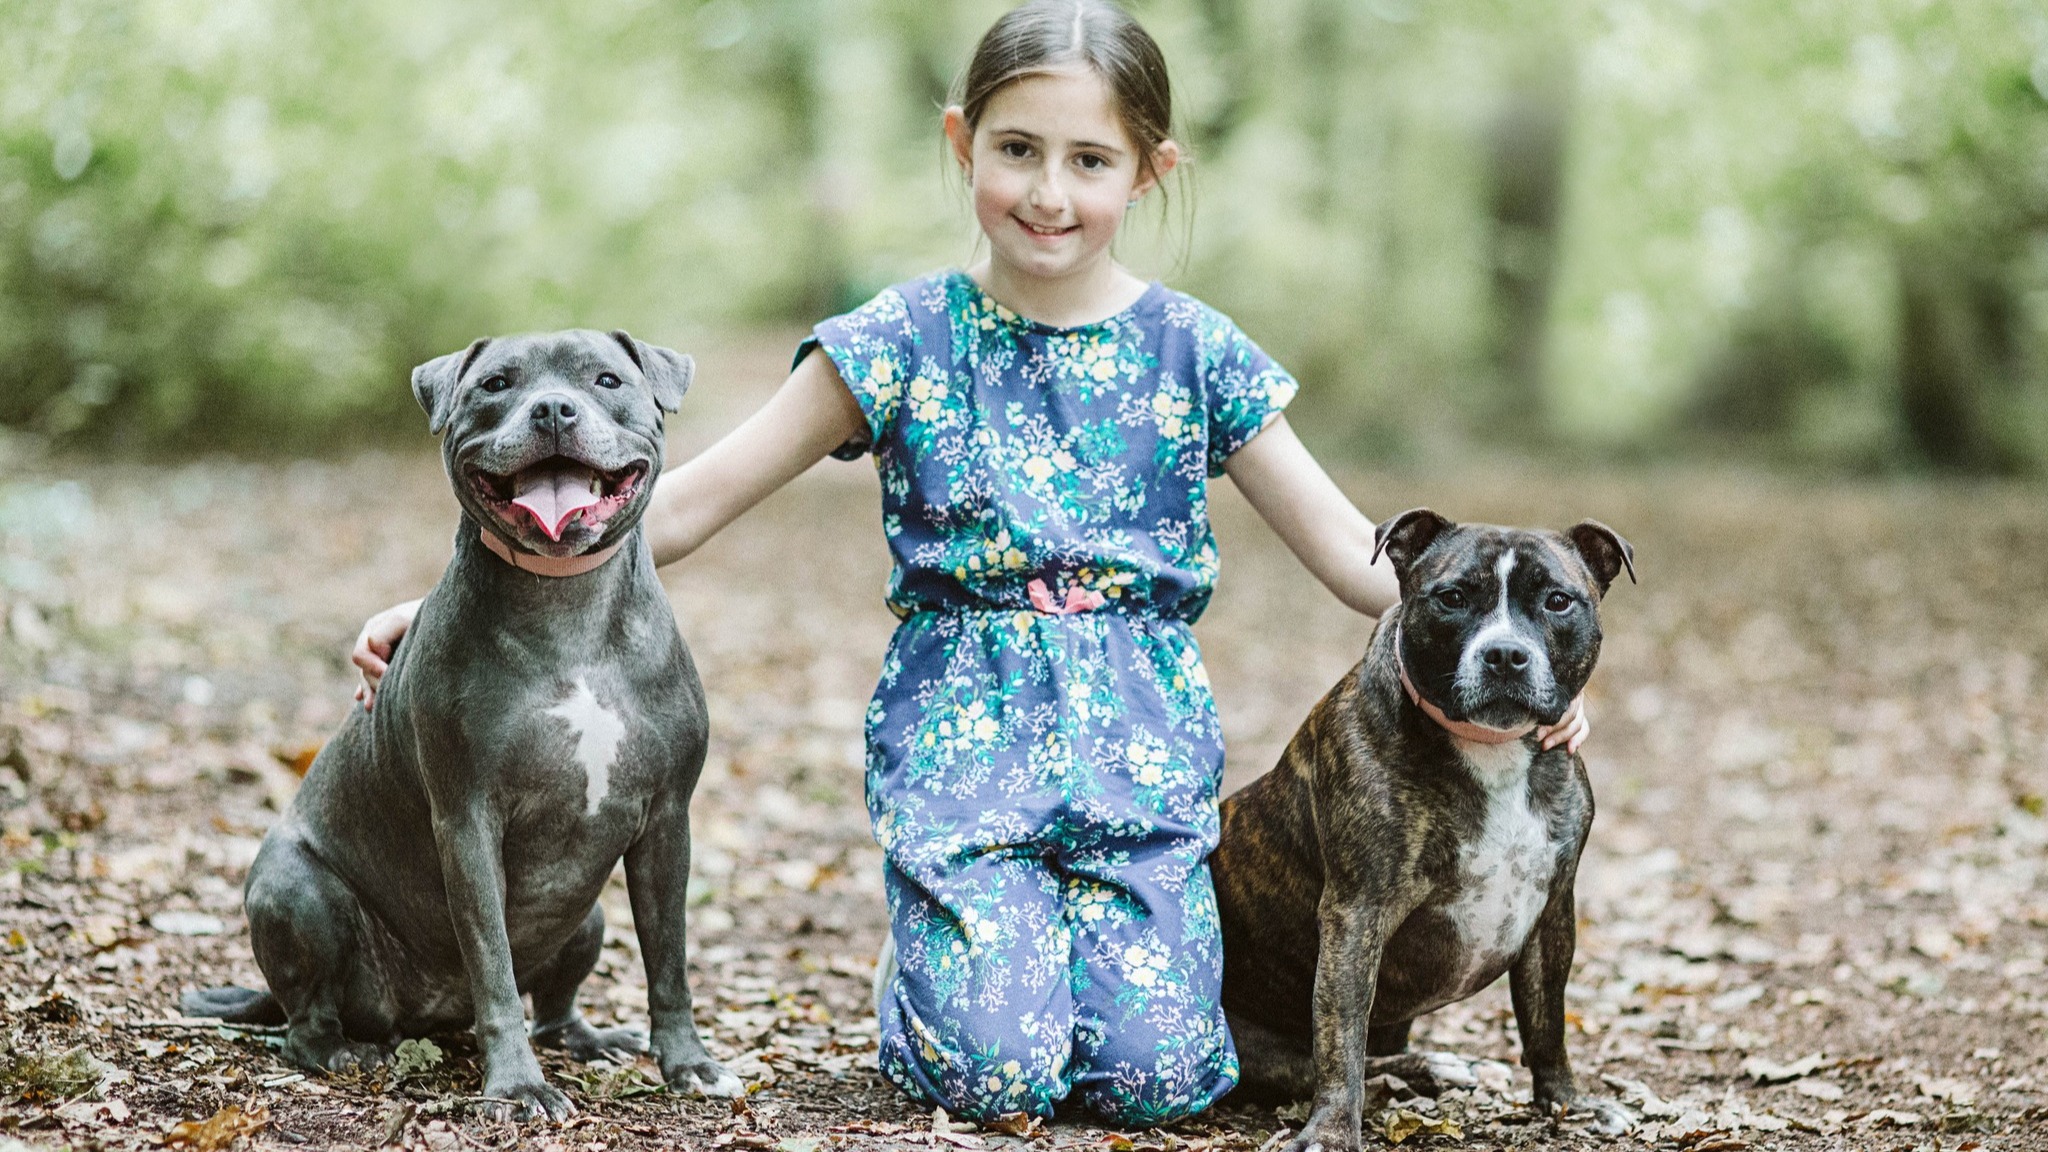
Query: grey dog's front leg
{"points": [[658, 883], [1352, 938], [473, 872]]}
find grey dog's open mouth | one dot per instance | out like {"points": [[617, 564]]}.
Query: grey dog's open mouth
{"points": [[558, 491]]}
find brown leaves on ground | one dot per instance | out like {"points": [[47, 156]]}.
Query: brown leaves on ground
{"points": [[1814, 912], [219, 1130]]}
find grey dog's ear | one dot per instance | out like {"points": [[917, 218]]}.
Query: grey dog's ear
{"points": [[1604, 551], [1407, 536], [433, 383], [668, 372]]}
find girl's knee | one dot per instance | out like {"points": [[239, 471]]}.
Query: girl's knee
{"points": [[977, 1070], [1136, 1086]]}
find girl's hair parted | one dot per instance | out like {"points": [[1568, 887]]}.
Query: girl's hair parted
{"points": [[1046, 35]]}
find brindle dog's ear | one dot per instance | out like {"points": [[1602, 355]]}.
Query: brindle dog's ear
{"points": [[433, 383], [668, 372], [1604, 551], [1407, 536]]}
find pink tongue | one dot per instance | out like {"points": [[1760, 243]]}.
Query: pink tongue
{"points": [[555, 494]]}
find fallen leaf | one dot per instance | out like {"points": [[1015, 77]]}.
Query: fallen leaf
{"points": [[179, 923], [1400, 1124], [1769, 1072], [218, 1130], [1819, 1089]]}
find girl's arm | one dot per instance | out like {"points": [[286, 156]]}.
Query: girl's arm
{"points": [[1313, 517], [811, 414], [1333, 539]]}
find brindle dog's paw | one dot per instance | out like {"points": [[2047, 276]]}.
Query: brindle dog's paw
{"points": [[705, 1077], [587, 1043], [1425, 1073], [1326, 1131], [527, 1101]]}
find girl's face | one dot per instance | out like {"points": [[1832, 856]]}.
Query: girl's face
{"points": [[1052, 171]]}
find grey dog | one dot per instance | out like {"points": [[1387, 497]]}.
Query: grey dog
{"points": [[446, 851], [1414, 842]]}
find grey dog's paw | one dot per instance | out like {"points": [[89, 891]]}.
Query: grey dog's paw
{"points": [[705, 1078], [525, 1101], [1602, 1112], [587, 1043], [335, 1055]]}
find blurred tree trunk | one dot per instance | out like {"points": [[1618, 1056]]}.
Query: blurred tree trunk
{"points": [[1525, 164], [1958, 354]]}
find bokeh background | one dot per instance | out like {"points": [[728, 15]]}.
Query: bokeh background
{"points": [[1814, 232]]}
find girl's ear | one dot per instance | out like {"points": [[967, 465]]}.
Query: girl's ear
{"points": [[961, 137], [1165, 159]]}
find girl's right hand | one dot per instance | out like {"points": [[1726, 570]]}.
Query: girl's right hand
{"points": [[374, 645]]}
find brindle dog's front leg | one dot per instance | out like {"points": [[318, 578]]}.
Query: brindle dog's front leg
{"points": [[1353, 934], [472, 869], [658, 882], [1536, 982]]}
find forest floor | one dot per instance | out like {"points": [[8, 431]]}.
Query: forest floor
{"points": [[1814, 910]]}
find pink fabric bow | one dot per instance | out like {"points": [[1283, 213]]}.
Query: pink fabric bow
{"points": [[1079, 599]]}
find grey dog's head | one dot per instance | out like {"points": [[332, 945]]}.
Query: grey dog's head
{"points": [[553, 439], [1500, 626]]}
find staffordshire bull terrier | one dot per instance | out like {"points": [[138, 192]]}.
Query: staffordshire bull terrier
{"points": [[1414, 843], [541, 719]]}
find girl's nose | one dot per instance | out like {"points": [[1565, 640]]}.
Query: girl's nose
{"points": [[1047, 193]]}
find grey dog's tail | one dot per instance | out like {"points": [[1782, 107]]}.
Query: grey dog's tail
{"points": [[234, 1005]]}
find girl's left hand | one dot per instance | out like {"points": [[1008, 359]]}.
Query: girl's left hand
{"points": [[1570, 730]]}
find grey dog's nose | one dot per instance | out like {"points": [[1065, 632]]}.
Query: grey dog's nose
{"points": [[556, 413], [1506, 659]]}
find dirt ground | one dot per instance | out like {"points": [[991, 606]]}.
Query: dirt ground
{"points": [[1814, 909]]}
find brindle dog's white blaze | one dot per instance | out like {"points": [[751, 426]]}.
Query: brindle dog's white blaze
{"points": [[598, 732], [1472, 662]]}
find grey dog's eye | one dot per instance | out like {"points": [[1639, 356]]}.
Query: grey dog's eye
{"points": [[607, 380], [1451, 598], [496, 384], [1557, 602]]}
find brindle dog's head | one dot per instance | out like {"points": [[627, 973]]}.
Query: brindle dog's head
{"points": [[553, 439], [1500, 626]]}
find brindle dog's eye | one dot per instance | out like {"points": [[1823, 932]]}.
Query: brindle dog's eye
{"points": [[1451, 598], [607, 380], [1557, 602], [496, 384]]}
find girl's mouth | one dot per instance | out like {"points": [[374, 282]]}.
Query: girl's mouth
{"points": [[557, 491], [1042, 231]]}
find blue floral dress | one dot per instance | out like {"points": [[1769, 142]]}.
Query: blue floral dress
{"points": [[1043, 752]]}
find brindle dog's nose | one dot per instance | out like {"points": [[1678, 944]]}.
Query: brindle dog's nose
{"points": [[1506, 659], [555, 413]]}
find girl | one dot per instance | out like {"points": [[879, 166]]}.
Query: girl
{"points": [[1043, 753]]}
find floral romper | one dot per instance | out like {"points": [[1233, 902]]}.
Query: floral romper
{"points": [[1043, 752]]}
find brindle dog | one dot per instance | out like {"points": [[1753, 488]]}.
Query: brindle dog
{"points": [[1414, 842]]}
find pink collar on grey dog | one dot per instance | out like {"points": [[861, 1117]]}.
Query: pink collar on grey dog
{"points": [[546, 565], [1477, 733]]}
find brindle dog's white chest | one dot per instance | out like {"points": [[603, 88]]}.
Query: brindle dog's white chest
{"points": [[1504, 872]]}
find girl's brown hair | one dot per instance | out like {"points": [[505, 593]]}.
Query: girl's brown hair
{"points": [[1045, 35]]}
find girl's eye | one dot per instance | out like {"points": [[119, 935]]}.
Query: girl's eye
{"points": [[1557, 602], [607, 380], [1451, 598], [495, 384], [1016, 149], [1091, 162]]}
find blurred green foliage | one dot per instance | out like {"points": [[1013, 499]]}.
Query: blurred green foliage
{"points": [[1816, 228]]}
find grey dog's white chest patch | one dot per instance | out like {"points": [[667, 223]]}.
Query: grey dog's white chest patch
{"points": [[597, 731], [1504, 876]]}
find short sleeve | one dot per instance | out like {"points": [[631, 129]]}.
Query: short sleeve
{"points": [[873, 347], [1246, 389]]}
